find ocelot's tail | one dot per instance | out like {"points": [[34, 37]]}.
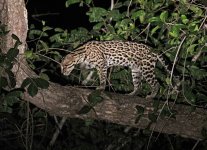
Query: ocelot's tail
{"points": [[162, 61]]}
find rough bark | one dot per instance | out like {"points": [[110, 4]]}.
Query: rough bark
{"points": [[67, 101]]}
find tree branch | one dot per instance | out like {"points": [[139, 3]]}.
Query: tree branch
{"points": [[66, 101], [121, 109]]}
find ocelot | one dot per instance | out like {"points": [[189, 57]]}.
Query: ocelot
{"points": [[104, 54]]}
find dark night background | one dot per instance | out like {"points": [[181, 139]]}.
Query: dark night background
{"points": [[56, 14]]}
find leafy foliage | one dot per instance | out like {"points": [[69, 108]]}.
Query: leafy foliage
{"points": [[13, 111], [33, 84], [93, 99], [10, 95], [175, 29]]}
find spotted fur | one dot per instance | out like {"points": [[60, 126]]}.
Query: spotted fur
{"points": [[104, 54]]}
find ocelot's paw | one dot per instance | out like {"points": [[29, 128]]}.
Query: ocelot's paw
{"points": [[151, 96], [101, 88], [85, 82], [132, 93]]}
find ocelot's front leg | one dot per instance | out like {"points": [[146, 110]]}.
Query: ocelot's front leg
{"points": [[102, 73], [88, 78]]}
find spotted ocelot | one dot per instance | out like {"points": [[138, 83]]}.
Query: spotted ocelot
{"points": [[104, 54]]}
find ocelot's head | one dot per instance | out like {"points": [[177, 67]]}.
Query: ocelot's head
{"points": [[68, 63]]}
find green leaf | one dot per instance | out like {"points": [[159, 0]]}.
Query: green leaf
{"points": [[168, 81], [154, 19], [3, 30], [26, 82], [44, 76], [191, 49], [15, 37], [43, 22], [78, 35], [85, 109], [123, 25], [140, 109], [7, 64], [41, 83], [154, 29], [115, 15], [193, 27], [197, 73], [139, 14], [37, 32], [12, 53], [46, 28], [88, 1], [166, 112], [89, 122], [44, 45], [18, 42], [28, 54], [95, 97], [184, 19], [70, 2], [110, 28], [96, 14], [98, 26], [196, 10], [152, 117], [175, 30], [202, 97], [189, 94], [164, 16], [32, 89], [12, 97], [11, 100], [14, 94], [174, 34], [59, 30]]}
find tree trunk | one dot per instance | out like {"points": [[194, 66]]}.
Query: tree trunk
{"points": [[67, 101]]}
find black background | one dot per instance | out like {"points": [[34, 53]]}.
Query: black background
{"points": [[56, 14]]}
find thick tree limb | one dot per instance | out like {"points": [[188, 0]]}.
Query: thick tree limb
{"points": [[67, 101]]}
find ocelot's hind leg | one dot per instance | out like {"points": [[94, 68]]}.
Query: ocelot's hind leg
{"points": [[102, 73], [136, 78], [154, 91], [149, 75]]}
